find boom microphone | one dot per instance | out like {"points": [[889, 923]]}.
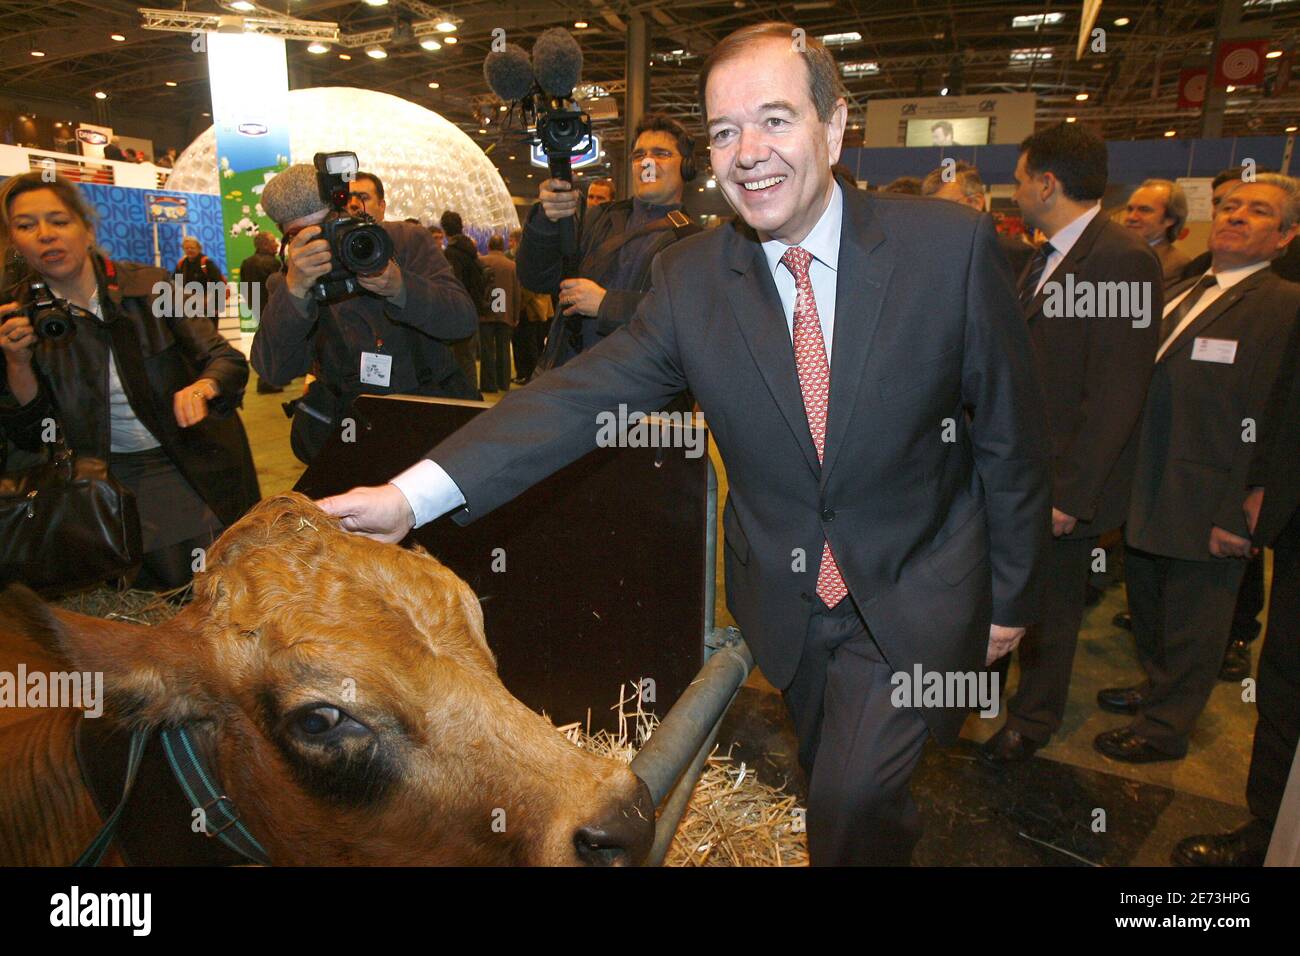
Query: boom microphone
{"points": [[508, 73], [557, 62]]}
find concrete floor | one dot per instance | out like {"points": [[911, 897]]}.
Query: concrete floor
{"points": [[1211, 778]]}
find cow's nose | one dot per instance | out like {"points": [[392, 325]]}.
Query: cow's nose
{"points": [[623, 837]]}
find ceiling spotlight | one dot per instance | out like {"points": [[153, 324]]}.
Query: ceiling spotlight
{"points": [[1070, 119], [429, 43], [38, 53], [482, 130], [446, 26], [205, 113], [502, 108], [711, 183], [345, 56], [169, 82], [1121, 21], [100, 95], [1291, 129], [243, 6], [579, 24], [118, 37], [376, 3], [509, 157], [318, 48], [1080, 96], [376, 52], [944, 91], [1170, 132], [1230, 89], [433, 86], [1272, 54], [449, 40]]}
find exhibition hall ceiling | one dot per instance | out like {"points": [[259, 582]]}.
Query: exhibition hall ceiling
{"points": [[71, 50]]}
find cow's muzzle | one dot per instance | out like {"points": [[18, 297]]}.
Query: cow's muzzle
{"points": [[623, 837]]}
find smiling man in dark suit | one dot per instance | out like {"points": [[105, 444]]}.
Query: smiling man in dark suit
{"points": [[875, 406], [1093, 357], [1223, 338]]}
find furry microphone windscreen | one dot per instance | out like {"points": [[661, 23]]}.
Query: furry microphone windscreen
{"points": [[293, 194]]}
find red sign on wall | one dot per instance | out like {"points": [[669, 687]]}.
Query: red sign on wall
{"points": [[1191, 88], [1240, 63]]}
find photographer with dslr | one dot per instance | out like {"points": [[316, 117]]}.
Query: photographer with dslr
{"points": [[88, 343], [618, 240], [366, 306]]}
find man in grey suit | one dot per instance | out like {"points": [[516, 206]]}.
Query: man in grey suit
{"points": [[1223, 337], [876, 408]]}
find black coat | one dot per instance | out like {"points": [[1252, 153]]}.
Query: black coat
{"points": [[1094, 373], [297, 337], [157, 357], [1193, 464], [937, 520], [541, 267]]}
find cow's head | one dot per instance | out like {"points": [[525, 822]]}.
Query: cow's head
{"points": [[351, 706]]}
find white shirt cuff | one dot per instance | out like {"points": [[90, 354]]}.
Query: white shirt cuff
{"points": [[429, 491]]}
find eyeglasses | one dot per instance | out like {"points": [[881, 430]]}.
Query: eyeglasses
{"points": [[658, 153]]}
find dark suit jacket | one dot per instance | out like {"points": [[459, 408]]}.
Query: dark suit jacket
{"points": [[1018, 253], [1094, 373], [1193, 464], [541, 268], [936, 519], [1276, 467]]}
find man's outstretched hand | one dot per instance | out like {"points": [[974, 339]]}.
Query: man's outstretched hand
{"points": [[381, 512]]}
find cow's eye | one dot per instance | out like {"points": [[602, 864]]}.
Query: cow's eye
{"points": [[319, 720]]}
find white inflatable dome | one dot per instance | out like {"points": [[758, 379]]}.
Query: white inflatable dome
{"points": [[427, 164]]}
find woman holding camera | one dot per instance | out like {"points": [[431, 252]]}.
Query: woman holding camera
{"points": [[154, 394]]}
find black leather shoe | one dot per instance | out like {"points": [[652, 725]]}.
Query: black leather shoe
{"points": [[1123, 744], [266, 388], [1007, 746], [1246, 846], [1123, 620], [1236, 662], [1121, 700]]}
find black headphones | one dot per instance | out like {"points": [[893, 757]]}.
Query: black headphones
{"points": [[686, 143]]}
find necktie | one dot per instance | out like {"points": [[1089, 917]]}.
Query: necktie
{"points": [[1036, 267], [815, 384], [1171, 321]]}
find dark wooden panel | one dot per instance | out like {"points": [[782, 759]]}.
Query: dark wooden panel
{"points": [[605, 560]]}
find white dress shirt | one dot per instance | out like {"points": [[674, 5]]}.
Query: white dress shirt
{"points": [[1224, 281], [1064, 241], [823, 242], [431, 492]]}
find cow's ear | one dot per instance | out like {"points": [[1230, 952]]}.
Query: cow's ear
{"points": [[150, 674]]}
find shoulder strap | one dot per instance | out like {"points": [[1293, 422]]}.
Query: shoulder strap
{"points": [[675, 220]]}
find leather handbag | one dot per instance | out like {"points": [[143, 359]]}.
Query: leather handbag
{"points": [[67, 524]]}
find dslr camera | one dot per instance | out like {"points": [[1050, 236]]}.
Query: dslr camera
{"points": [[48, 314], [358, 244]]}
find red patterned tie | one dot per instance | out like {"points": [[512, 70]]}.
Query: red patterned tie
{"points": [[815, 383]]}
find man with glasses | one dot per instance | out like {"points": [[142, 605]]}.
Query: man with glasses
{"points": [[617, 240]]}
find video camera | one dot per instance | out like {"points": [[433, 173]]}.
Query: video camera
{"points": [[542, 87], [358, 244]]}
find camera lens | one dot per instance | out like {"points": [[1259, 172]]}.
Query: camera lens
{"points": [[52, 326], [365, 248]]}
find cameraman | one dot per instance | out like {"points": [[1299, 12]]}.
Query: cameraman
{"points": [[396, 326], [617, 243]]}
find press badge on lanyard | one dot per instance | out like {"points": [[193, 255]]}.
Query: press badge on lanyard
{"points": [[376, 367]]}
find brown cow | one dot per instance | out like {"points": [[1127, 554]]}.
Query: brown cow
{"points": [[348, 700]]}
